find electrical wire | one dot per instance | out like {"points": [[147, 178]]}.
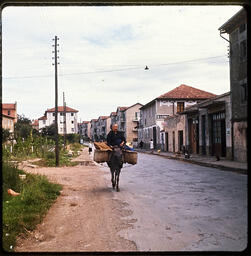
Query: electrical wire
{"points": [[118, 70]]}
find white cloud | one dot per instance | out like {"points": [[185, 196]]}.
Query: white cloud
{"points": [[97, 39]]}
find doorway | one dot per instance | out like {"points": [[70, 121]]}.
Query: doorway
{"points": [[180, 140], [154, 137], [167, 143]]}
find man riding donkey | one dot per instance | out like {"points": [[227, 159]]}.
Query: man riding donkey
{"points": [[115, 138], [117, 141]]}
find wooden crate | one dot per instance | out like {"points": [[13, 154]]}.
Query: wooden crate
{"points": [[100, 156], [130, 157]]}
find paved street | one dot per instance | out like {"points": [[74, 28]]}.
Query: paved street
{"points": [[182, 206]]}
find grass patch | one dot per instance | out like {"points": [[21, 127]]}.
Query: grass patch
{"points": [[49, 160], [25, 211]]}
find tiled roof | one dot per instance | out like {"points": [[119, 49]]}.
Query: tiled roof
{"points": [[4, 112], [104, 117], [42, 118], [121, 108], [86, 122], [8, 106], [186, 92], [35, 122], [61, 109], [94, 120], [8, 116], [113, 114], [134, 105]]}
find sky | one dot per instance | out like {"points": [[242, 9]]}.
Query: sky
{"points": [[103, 52]]}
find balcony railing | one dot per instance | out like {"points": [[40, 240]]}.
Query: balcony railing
{"points": [[162, 116]]}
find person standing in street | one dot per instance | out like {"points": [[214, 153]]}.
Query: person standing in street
{"points": [[141, 144], [151, 145], [90, 147]]}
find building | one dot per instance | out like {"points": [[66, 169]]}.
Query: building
{"points": [[35, 125], [207, 126], [10, 109], [172, 137], [113, 117], [67, 116], [131, 124], [93, 130], [8, 122], [103, 127], [120, 118], [236, 28], [154, 113], [127, 119], [84, 129]]}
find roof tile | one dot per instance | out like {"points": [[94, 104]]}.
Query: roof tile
{"points": [[186, 92]]}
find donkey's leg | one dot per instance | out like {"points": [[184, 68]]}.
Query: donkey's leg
{"points": [[113, 178], [117, 179]]}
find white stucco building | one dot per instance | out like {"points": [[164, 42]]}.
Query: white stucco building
{"points": [[70, 117]]}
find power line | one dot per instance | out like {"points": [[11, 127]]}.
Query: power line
{"points": [[118, 70]]}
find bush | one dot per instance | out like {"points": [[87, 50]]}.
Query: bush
{"points": [[50, 155], [72, 138], [11, 179], [25, 211]]}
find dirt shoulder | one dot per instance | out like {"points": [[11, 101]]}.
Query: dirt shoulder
{"points": [[85, 217]]}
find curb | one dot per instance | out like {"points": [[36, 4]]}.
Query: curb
{"points": [[222, 167]]}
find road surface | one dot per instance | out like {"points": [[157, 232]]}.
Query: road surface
{"points": [[182, 206], [163, 205]]}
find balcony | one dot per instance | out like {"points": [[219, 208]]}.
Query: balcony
{"points": [[162, 116], [135, 119]]}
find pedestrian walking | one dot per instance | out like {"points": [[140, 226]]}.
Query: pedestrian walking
{"points": [[141, 144], [151, 145], [90, 147]]}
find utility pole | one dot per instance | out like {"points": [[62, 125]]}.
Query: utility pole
{"points": [[56, 97], [64, 104]]}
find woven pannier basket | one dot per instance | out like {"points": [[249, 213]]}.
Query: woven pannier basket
{"points": [[100, 156], [130, 157]]}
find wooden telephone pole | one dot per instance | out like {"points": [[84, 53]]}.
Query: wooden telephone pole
{"points": [[64, 104], [56, 97]]}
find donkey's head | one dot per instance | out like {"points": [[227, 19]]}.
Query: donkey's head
{"points": [[117, 153]]}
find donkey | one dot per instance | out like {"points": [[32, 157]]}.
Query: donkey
{"points": [[115, 163]]}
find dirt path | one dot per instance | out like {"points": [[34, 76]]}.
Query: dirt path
{"points": [[85, 217]]}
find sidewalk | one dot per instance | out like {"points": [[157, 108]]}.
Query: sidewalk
{"points": [[209, 161]]}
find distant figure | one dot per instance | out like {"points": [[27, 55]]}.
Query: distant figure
{"points": [[151, 145], [141, 144], [90, 147]]}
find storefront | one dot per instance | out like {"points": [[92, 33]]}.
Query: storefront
{"points": [[218, 134]]}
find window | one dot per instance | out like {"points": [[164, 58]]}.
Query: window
{"points": [[244, 92], [53, 113], [242, 28], [243, 50], [72, 114], [72, 122], [72, 129], [8, 112], [43, 121], [180, 107]]}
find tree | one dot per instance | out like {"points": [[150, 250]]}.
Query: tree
{"points": [[5, 134], [49, 130], [22, 127]]}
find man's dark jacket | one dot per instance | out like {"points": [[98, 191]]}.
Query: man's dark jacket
{"points": [[115, 139]]}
